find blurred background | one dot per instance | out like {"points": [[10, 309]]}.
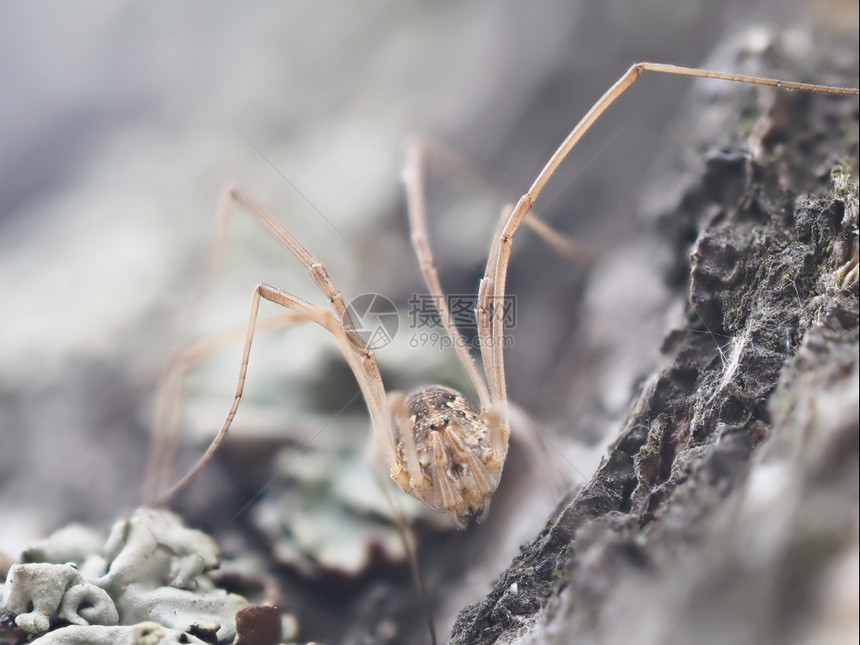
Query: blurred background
{"points": [[121, 124]]}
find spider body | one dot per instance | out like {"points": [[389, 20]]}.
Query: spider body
{"points": [[457, 470]]}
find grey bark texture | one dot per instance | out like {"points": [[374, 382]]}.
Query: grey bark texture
{"points": [[726, 511]]}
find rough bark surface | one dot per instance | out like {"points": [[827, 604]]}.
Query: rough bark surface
{"points": [[727, 508]]}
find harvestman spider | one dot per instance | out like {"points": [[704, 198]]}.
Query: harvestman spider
{"points": [[440, 448]]}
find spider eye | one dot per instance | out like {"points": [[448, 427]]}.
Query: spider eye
{"points": [[432, 426]]}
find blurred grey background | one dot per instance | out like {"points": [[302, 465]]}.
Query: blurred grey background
{"points": [[121, 124]]}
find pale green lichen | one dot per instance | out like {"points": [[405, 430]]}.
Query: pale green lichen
{"points": [[153, 547], [148, 633], [150, 576], [74, 543], [37, 592]]}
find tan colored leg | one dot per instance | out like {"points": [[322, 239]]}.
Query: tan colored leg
{"points": [[443, 160], [171, 392], [362, 363], [497, 267], [421, 154], [413, 176], [412, 475], [315, 268], [360, 358], [477, 469], [441, 464], [486, 319]]}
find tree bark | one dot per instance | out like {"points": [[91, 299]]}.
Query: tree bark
{"points": [[727, 508]]}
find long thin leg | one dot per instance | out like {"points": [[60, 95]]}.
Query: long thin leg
{"points": [[413, 176], [419, 151], [497, 270], [315, 268], [413, 476], [497, 417], [362, 364], [484, 311], [355, 350], [361, 360], [368, 374], [171, 392], [424, 154]]}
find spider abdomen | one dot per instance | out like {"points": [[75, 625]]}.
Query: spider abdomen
{"points": [[458, 472]]}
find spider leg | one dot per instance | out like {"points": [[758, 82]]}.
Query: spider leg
{"points": [[235, 195], [171, 391], [451, 499], [367, 371], [414, 178], [359, 356], [496, 417], [361, 363], [497, 265], [424, 154], [410, 477], [478, 473], [361, 360]]}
